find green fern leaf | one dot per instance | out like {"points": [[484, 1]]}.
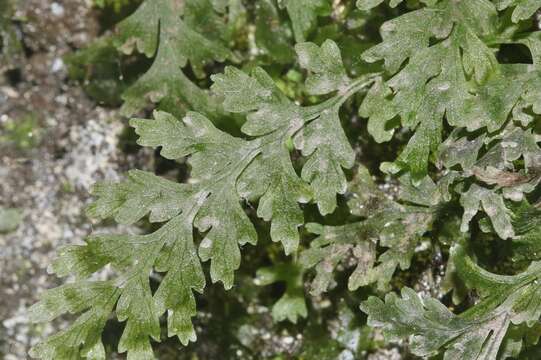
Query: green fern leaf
{"points": [[291, 304], [173, 34], [225, 171]]}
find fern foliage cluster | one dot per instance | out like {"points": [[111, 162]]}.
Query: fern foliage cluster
{"points": [[450, 89]]}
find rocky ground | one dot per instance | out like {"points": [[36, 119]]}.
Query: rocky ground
{"points": [[54, 144]]}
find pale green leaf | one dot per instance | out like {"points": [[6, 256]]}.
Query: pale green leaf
{"points": [[95, 300], [389, 225], [431, 326], [492, 204], [142, 193], [272, 37], [523, 9], [291, 305], [327, 71], [174, 35], [303, 15], [457, 149]]}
